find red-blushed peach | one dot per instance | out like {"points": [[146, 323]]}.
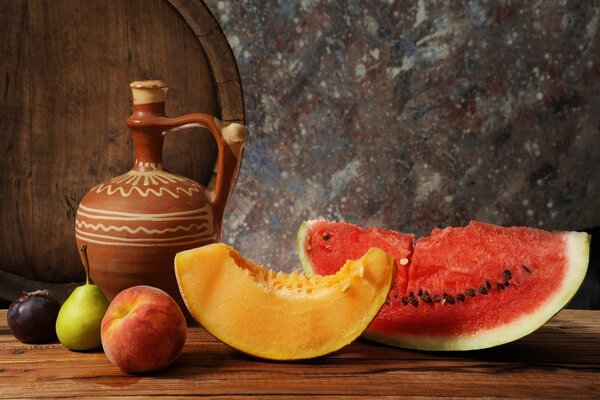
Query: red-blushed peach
{"points": [[143, 330]]}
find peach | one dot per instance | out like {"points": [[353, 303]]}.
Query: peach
{"points": [[143, 330]]}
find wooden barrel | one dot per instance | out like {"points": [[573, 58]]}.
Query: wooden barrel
{"points": [[66, 68]]}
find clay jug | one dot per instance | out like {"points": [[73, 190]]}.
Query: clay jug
{"points": [[135, 223]]}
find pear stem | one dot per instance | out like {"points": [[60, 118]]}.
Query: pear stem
{"points": [[86, 264]]}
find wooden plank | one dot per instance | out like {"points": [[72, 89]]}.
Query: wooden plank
{"points": [[560, 360], [15, 153], [218, 51], [196, 15], [232, 100], [12, 286], [74, 98]]}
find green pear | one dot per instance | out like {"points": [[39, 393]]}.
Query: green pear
{"points": [[79, 319]]}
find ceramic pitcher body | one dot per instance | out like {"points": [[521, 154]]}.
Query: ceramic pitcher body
{"points": [[135, 223]]}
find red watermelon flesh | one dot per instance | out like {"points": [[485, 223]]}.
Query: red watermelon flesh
{"points": [[467, 287]]}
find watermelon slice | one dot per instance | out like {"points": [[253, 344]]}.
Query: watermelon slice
{"points": [[326, 246], [461, 288]]}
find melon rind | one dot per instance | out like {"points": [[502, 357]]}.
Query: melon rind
{"points": [[301, 237], [577, 251]]}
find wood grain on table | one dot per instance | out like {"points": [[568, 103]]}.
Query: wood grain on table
{"points": [[561, 360]]}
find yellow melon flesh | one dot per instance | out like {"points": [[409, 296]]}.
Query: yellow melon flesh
{"points": [[276, 315]]}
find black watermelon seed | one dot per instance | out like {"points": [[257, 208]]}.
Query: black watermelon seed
{"points": [[488, 285], [507, 283], [482, 290], [500, 286], [326, 236], [414, 302], [526, 268], [449, 298], [460, 297], [507, 275], [470, 292], [436, 298], [405, 301], [426, 298], [420, 292]]}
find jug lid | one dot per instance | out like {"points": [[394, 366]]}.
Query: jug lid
{"points": [[149, 91]]}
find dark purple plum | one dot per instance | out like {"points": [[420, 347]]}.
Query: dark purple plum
{"points": [[32, 317]]}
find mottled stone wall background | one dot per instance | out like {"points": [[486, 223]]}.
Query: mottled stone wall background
{"points": [[412, 114]]}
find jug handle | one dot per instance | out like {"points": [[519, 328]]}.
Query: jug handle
{"points": [[230, 139]]}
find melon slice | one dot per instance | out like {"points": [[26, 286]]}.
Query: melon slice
{"points": [[464, 288], [279, 316]]}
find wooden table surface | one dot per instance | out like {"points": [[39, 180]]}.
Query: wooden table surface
{"points": [[561, 360]]}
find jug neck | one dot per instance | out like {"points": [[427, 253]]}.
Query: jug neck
{"points": [[148, 138]]}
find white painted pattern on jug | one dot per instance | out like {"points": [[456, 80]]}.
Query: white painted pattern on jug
{"points": [[117, 228], [147, 183]]}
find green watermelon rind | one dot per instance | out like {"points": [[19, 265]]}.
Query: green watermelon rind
{"points": [[577, 252], [301, 237]]}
